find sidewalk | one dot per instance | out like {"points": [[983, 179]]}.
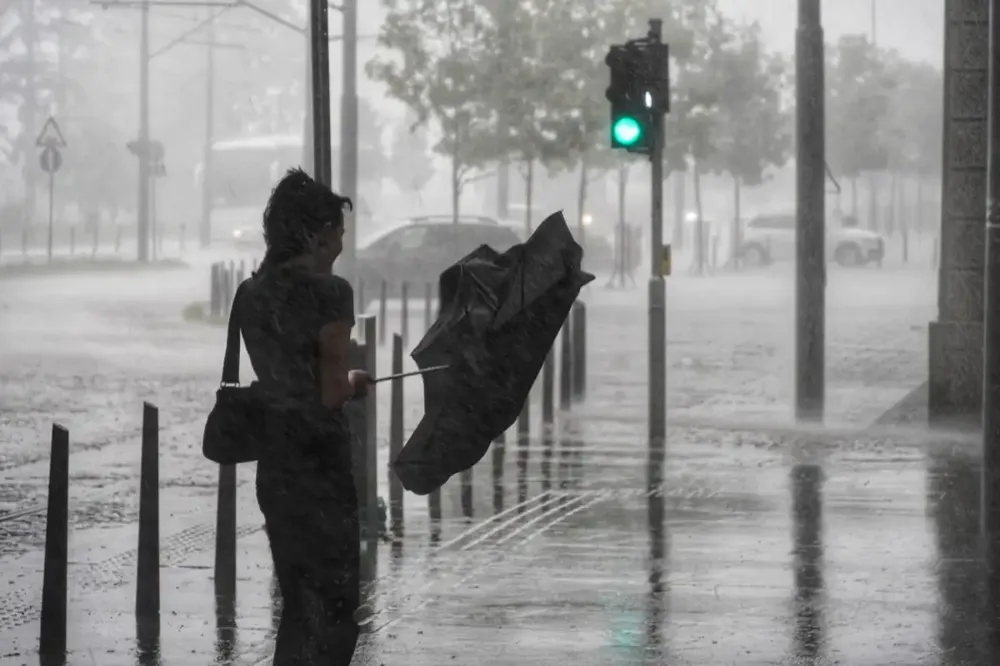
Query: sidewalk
{"points": [[565, 575]]}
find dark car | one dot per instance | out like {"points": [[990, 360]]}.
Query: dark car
{"points": [[417, 250]]}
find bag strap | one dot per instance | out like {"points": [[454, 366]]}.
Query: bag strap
{"points": [[231, 361]]}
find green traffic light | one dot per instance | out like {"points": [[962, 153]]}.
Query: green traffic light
{"points": [[626, 131]]}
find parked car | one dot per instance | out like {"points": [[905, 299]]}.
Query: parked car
{"points": [[418, 249], [771, 238]]}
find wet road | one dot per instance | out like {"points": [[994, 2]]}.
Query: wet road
{"points": [[744, 568]]}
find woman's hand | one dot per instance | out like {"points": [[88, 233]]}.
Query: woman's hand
{"points": [[360, 381]]}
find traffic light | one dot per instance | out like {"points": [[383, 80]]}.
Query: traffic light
{"points": [[638, 92]]}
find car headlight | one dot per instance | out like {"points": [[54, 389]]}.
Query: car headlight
{"points": [[238, 233]]}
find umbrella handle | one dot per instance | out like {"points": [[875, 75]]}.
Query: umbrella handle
{"points": [[411, 373]]}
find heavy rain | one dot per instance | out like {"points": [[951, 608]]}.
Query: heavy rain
{"points": [[672, 338]]}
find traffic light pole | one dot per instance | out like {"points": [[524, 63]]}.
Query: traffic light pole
{"points": [[320, 52], [810, 186], [205, 228], [657, 302], [990, 516]]}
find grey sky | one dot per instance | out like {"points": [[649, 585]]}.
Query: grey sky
{"points": [[913, 27]]}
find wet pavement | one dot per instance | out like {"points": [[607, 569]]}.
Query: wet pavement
{"points": [[767, 543]]}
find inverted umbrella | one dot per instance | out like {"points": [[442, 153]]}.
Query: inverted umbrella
{"points": [[499, 317]]}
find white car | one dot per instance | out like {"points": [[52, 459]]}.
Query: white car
{"points": [[771, 238]]}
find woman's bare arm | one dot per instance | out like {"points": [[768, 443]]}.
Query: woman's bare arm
{"points": [[335, 386]]}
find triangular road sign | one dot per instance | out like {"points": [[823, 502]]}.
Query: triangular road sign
{"points": [[51, 135]]}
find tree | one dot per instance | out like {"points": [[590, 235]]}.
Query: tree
{"points": [[859, 87], [442, 60], [410, 163], [754, 132]]}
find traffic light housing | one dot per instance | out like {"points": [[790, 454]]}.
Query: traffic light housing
{"points": [[639, 92]]}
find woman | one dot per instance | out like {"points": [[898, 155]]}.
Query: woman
{"points": [[296, 319]]}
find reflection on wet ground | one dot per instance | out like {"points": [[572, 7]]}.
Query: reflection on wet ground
{"points": [[873, 561]]}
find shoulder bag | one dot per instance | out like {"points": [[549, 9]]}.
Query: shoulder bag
{"points": [[235, 425]]}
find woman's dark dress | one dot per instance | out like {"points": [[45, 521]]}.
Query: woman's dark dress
{"points": [[304, 484]]}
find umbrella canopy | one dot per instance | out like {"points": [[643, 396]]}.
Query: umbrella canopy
{"points": [[500, 314]]}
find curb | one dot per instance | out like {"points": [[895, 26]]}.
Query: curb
{"points": [[61, 267], [911, 409]]}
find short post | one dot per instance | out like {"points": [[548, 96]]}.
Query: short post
{"points": [[499, 446], [523, 443], [466, 493], [371, 434], [565, 367], [579, 329], [383, 296], [404, 312], [396, 414], [548, 418], [147, 592], [225, 538], [242, 272], [213, 290], [52, 637], [428, 302]]}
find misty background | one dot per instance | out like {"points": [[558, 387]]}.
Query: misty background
{"points": [[86, 76]]}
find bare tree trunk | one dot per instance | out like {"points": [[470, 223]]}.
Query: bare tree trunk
{"points": [[620, 247], [456, 189], [699, 226], [892, 218], [905, 221], [854, 198], [679, 205], [529, 179], [873, 216], [737, 239], [581, 195]]}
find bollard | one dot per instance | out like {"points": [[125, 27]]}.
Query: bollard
{"points": [[565, 367], [548, 419], [52, 637], [242, 272], [72, 241], [466, 493], [396, 439], [225, 538], [383, 296], [404, 312], [499, 446], [428, 302], [523, 441], [213, 290], [579, 332], [371, 435], [147, 592]]}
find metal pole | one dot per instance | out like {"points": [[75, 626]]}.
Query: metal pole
{"points": [[307, 134], [52, 189], [205, 231], [810, 284], [991, 347], [657, 304], [31, 110], [349, 134], [320, 50], [142, 210]]}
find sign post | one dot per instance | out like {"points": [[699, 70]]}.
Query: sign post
{"points": [[50, 140]]}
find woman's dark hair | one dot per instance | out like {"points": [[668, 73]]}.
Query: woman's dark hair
{"points": [[299, 208]]}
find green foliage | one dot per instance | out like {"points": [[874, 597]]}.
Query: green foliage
{"points": [[914, 124], [859, 90], [439, 66], [754, 131]]}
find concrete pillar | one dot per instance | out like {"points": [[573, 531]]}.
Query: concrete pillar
{"points": [[956, 338]]}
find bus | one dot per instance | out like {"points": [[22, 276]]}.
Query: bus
{"points": [[244, 171]]}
